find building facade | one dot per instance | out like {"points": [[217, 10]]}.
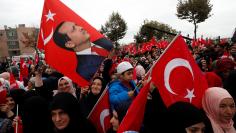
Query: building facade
{"points": [[17, 41]]}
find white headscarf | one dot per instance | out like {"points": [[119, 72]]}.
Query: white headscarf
{"points": [[72, 89]]}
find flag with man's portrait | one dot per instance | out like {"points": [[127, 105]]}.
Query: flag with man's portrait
{"points": [[68, 62]]}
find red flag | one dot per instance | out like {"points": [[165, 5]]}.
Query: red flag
{"points": [[177, 76], [100, 115], [203, 41], [18, 128], [134, 117], [3, 94], [30, 62], [13, 83], [36, 59], [195, 43], [64, 51], [23, 69], [223, 41], [153, 41]]}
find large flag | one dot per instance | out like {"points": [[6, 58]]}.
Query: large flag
{"points": [[177, 76], [100, 115], [134, 117], [72, 46]]}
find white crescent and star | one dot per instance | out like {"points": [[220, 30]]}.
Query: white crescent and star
{"points": [[49, 16], [103, 115], [190, 95], [48, 38], [171, 65]]}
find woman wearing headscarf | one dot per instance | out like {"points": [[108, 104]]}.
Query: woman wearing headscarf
{"points": [[117, 113], [219, 107], [185, 118], [18, 96], [11, 107], [88, 101], [65, 84], [66, 116], [5, 123], [30, 84], [36, 116]]}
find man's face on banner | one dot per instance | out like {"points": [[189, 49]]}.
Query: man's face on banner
{"points": [[76, 33]]}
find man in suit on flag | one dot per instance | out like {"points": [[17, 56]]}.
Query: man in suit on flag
{"points": [[72, 37]]}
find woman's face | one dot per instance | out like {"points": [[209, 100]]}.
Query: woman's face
{"points": [[60, 119], [64, 86], [114, 120], [196, 128], [11, 103], [96, 86], [226, 110]]}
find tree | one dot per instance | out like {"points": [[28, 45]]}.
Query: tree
{"points": [[146, 33], [29, 39], [115, 28], [194, 11]]}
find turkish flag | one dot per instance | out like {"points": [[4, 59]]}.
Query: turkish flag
{"points": [[23, 69], [36, 59], [134, 117], [195, 43], [13, 83], [100, 115], [63, 60], [177, 76], [3, 94], [153, 41], [30, 62]]}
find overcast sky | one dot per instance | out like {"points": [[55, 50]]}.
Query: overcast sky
{"points": [[134, 12]]}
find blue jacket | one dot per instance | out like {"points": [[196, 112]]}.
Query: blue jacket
{"points": [[118, 93]]}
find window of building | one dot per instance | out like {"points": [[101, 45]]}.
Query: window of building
{"points": [[13, 44]]}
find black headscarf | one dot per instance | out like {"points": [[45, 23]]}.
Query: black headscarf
{"points": [[18, 95], [121, 110], [69, 104], [36, 116], [182, 115], [87, 102]]}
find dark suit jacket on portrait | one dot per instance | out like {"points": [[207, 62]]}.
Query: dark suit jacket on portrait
{"points": [[87, 65]]}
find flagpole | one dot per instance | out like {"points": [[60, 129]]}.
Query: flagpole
{"points": [[150, 70], [17, 113], [103, 93]]}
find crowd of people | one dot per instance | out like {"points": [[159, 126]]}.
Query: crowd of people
{"points": [[46, 101]]}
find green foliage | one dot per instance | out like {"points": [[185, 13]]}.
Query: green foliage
{"points": [[194, 11], [145, 33], [115, 28]]}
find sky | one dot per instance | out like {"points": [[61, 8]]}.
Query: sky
{"points": [[134, 12]]}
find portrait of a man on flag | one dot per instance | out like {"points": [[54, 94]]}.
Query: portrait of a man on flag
{"points": [[70, 36], [72, 46]]}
